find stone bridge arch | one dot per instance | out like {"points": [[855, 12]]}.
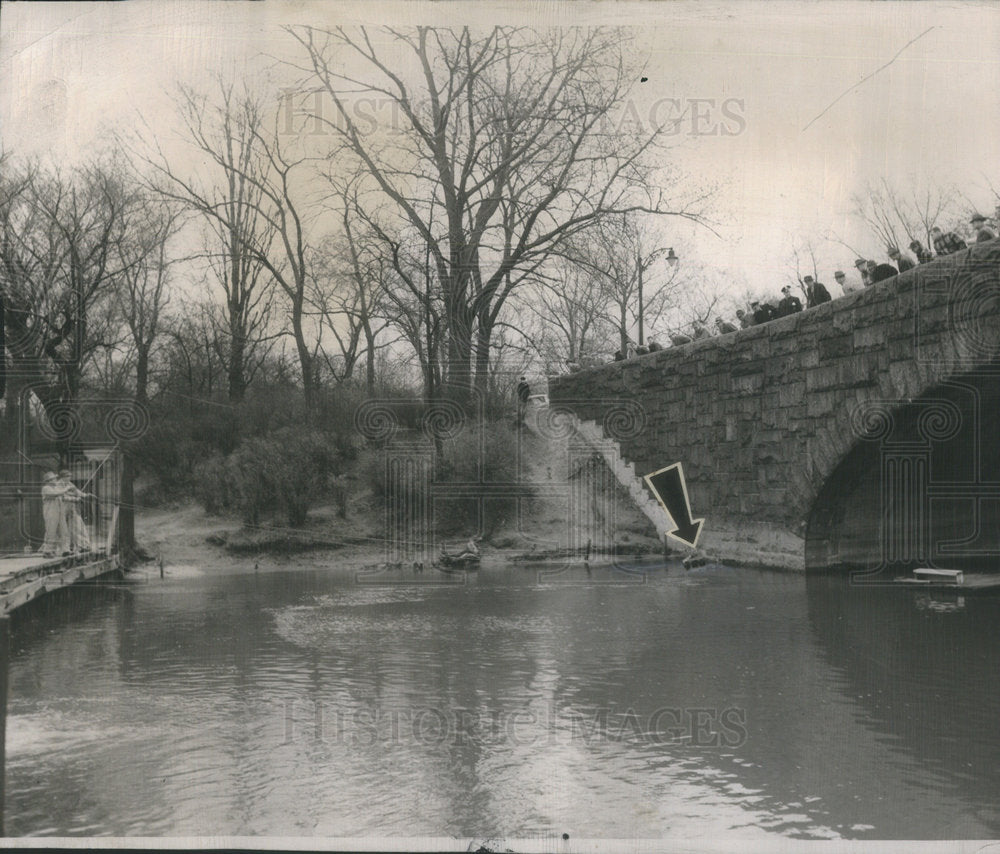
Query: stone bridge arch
{"points": [[770, 422], [919, 486]]}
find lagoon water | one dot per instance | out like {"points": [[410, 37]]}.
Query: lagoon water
{"points": [[516, 702]]}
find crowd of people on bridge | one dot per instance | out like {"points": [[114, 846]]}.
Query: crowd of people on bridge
{"points": [[869, 273]]}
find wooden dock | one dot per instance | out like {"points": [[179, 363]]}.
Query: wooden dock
{"points": [[26, 578]]}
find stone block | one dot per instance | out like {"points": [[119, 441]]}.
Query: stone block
{"points": [[781, 418], [748, 383], [869, 336], [836, 347], [823, 378], [762, 348], [790, 394], [820, 403], [903, 379], [932, 319]]}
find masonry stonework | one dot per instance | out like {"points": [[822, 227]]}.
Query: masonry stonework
{"points": [[761, 418]]}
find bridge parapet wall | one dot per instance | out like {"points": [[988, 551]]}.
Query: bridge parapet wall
{"points": [[761, 418]]}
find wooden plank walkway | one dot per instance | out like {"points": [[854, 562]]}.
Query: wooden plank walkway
{"points": [[25, 578]]}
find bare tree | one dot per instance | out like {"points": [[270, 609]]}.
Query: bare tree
{"points": [[896, 216], [415, 307], [142, 290], [569, 304], [247, 291], [350, 289], [192, 360], [339, 308], [258, 211], [621, 252], [58, 261], [501, 152]]}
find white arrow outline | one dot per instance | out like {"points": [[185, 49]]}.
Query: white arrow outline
{"points": [[687, 503]]}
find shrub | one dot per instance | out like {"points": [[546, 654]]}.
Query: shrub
{"points": [[284, 472], [485, 453]]}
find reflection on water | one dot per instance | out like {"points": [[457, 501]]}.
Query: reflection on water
{"points": [[695, 704]]}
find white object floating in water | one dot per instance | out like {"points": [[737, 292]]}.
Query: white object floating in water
{"points": [[926, 574]]}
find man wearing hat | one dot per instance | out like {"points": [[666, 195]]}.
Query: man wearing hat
{"points": [[982, 232], [862, 267], [923, 255], [56, 535], [816, 292], [946, 244], [880, 272], [789, 302], [762, 312], [846, 286], [79, 538], [899, 259]]}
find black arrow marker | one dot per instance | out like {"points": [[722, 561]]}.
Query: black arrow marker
{"points": [[671, 491]]}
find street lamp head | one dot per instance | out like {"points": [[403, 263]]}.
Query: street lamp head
{"points": [[672, 259]]}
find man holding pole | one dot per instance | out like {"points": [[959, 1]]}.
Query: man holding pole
{"points": [[79, 538], [56, 533]]}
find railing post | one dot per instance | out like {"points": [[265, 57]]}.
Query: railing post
{"points": [[4, 661]]}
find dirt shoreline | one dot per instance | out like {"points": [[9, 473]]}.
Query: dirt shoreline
{"points": [[186, 537], [188, 540]]}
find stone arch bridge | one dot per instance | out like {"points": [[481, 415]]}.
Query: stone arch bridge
{"points": [[862, 433]]}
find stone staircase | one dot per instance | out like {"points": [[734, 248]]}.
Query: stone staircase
{"points": [[591, 434]]}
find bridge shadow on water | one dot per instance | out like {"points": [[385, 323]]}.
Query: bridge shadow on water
{"points": [[921, 488], [925, 669]]}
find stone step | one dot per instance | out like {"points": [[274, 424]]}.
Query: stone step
{"points": [[624, 471]]}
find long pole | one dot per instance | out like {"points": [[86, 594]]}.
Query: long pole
{"points": [[638, 261], [4, 659]]}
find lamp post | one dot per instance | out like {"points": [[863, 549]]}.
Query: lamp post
{"points": [[672, 260]]}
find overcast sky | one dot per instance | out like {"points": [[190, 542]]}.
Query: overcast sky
{"points": [[788, 156]]}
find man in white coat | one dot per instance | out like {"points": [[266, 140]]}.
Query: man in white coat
{"points": [[78, 535], [56, 533]]}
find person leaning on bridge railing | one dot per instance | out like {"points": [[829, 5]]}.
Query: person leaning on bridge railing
{"points": [[881, 272], [847, 286], [790, 304], [762, 312], [947, 244], [861, 265], [983, 234], [900, 260], [923, 255], [816, 292]]}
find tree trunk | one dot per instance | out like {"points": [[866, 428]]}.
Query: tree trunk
{"points": [[459, 353], [484, 332], [369, 358], [237, 370], [305, 357], [142, 376]]}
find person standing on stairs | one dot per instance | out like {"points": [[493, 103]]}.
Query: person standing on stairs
{"points": [[523, 393]]}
